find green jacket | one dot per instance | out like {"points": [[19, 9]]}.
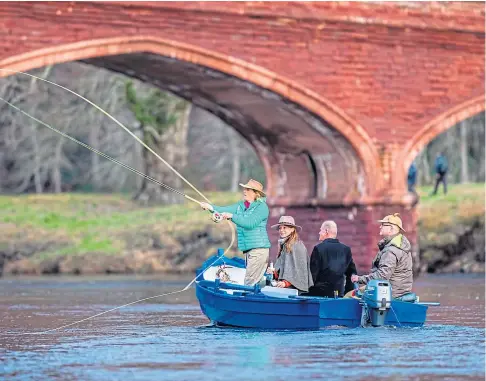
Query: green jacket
{"points": [[251, 223]]}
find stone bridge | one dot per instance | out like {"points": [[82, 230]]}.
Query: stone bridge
{"points": [[336, 98]]}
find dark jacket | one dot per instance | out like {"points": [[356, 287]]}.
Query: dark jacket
{"points": [[441, 165], [331, 261], [412, 173]]}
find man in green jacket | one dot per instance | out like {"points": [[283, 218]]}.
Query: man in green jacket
{"points": [[250, 217]]}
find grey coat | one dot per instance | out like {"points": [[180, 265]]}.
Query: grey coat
{"points": [[294, 267], [393, 263]]}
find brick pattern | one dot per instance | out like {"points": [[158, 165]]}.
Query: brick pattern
{"points": [[391, 79], [391, 68]]}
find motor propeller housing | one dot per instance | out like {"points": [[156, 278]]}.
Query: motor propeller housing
{"points": [[377, 299]]}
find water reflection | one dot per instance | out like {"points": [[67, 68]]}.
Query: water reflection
{"points": [[170, 339]]}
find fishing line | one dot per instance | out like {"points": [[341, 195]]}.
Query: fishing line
{"points": [[101, 313], [129, 168], [100, 153], [117, 308], [117, 122]]}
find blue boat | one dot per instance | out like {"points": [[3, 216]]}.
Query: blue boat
{"points": [[227, 302]]}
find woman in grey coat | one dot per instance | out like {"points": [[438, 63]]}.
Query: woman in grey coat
{"points": [[292, 267]]}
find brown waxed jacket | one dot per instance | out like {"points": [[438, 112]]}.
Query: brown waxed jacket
{"points": [[393, 263]]}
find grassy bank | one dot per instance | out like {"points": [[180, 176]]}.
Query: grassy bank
{"points": [[462, 204], [67, 224], [451, 229], [46, 227]]}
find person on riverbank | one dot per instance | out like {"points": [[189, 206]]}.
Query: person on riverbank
{"points": [[441, 167], [393, 262], [292, 267], [331, 263], [250, 215]]}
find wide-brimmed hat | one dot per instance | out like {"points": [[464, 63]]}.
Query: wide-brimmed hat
{"points": [[288, 221], [393, 219], [253, 184]]}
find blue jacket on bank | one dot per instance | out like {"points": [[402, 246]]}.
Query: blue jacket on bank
{"points": [[441, 164]]}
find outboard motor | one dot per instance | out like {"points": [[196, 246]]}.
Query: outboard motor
{"points": [[377, 298]]}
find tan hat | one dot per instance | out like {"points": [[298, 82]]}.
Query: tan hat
{"points": [[253, 184], [288, 221], [393, 219]]}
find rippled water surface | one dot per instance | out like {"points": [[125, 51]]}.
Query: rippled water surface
{"points": [[169, 339]]}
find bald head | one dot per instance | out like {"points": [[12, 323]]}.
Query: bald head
{"points": [[328, 230]]}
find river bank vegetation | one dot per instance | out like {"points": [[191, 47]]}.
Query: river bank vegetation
{"points": [[64, 209], [98, 233]]}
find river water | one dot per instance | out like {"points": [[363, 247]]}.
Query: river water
{"points": [[169, 338]]}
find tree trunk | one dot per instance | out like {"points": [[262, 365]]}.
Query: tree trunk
{"points": [[94, 139], [38, 183], [37, 161], [464, 156], [424, 174], [236, 164], [141, 193], [56, 170], [450, 151], [171, 146]]}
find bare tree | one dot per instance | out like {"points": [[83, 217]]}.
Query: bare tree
{"points": [[235, 167], [220, 157], [164, 121], [463, 145]]}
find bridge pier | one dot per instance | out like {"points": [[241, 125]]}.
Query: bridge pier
{"points": [[357, 228]]}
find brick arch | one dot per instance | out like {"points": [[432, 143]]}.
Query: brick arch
{"points": [[350, 129], [434, 128]]}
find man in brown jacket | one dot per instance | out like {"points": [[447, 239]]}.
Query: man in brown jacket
{"points": [[394, 260]]}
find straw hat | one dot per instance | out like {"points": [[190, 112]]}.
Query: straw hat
{"points": [[253, 184], [393, 219], [288, 221]]}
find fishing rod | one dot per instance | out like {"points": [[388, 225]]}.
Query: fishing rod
{"points": [[216, 217], [116, 121]]}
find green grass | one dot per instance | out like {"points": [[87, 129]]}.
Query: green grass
{"points": [[456, 193], [107, 224], [95, 223], [88, 244], [462, 204]]}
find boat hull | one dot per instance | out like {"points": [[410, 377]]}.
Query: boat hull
{"points": [[256, 310]]}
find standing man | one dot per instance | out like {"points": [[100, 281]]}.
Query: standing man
{"points": [[331, 262], [441, 167], [394, 260]]}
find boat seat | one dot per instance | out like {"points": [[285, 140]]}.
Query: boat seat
{"points": [[409, 297], [278, 292]]}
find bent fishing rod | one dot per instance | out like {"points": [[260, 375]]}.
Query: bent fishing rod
{"points": [[113, 119], [216, 217]]}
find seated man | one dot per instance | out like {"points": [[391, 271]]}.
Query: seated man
{"points": [[331, 261], [394, 260]]}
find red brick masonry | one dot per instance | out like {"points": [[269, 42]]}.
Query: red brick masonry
{"points": [[385, 77]]}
